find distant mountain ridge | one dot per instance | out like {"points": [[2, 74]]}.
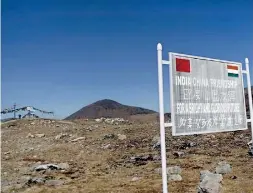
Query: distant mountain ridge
{"points": [[109, 109]]}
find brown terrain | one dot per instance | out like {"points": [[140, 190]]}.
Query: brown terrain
{"points": [[115, 155], [96, 156]]}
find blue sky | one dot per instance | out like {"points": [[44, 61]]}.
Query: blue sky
{"points": [[62, 55]]}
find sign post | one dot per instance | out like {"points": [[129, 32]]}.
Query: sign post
{"points": [[161, 111], [206, 95], [249, 97]]}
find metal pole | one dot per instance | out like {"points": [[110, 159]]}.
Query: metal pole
{"points": [[161, 110], [249, 96], [14, 110]]}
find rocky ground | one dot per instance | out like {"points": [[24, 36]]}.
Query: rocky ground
{"points": [[115, 156]]}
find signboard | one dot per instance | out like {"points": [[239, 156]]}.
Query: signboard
{"points": [[207, 95]]}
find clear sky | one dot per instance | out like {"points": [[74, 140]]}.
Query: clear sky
{"points": [[62, 55]]}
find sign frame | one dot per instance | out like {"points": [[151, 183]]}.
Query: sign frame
{"points": [[163, 125], [172, 91]]}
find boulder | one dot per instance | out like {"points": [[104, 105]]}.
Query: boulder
{"points": [[175, 177], [174, 170], [63, 166], [223, 168], [209, 182], [46, 167], [173, 173]]}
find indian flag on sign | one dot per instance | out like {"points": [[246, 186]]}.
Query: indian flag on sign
{"points": [[232, 70]]}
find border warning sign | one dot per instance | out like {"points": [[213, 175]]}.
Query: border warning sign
{"points": [[207, 95]]}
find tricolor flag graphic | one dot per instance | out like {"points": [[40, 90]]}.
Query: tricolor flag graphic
{"points": [[232, 70], [183, 65]]}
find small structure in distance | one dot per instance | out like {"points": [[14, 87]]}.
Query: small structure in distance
{"points": [[29, 109]]}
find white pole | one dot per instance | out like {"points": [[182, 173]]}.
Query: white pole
{"points": [[161, 110], [249, 96]]}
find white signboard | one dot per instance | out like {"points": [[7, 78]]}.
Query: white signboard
{"points": [[207, 95]]}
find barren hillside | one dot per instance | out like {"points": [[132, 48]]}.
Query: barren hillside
{"points": [[115, 156]]}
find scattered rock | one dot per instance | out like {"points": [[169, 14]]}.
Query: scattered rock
{"points": [[174, 170], [40, 135], [234, 177], [212, 136], [203, 173], [106, 146], [141, 158], [75, 175], [175, 177], [134, 179], [250, 143], [60, 136], [223, 168], [156, 157], [54, 182], [170, 170], [156, 139], [12, 125], [179, 154], [36, 181], [250, 152], [121, 137], [30, 135], [77, 139], [6, 157], [156, 142], [109, 136], [188, 144], [111, 121], [63, 166], [98, 120], [46, 167], [209, 182], [32, 123], [5, 153]]}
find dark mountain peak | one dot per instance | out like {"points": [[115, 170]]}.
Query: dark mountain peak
{"points": [[108, 108], [107, 103]]}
